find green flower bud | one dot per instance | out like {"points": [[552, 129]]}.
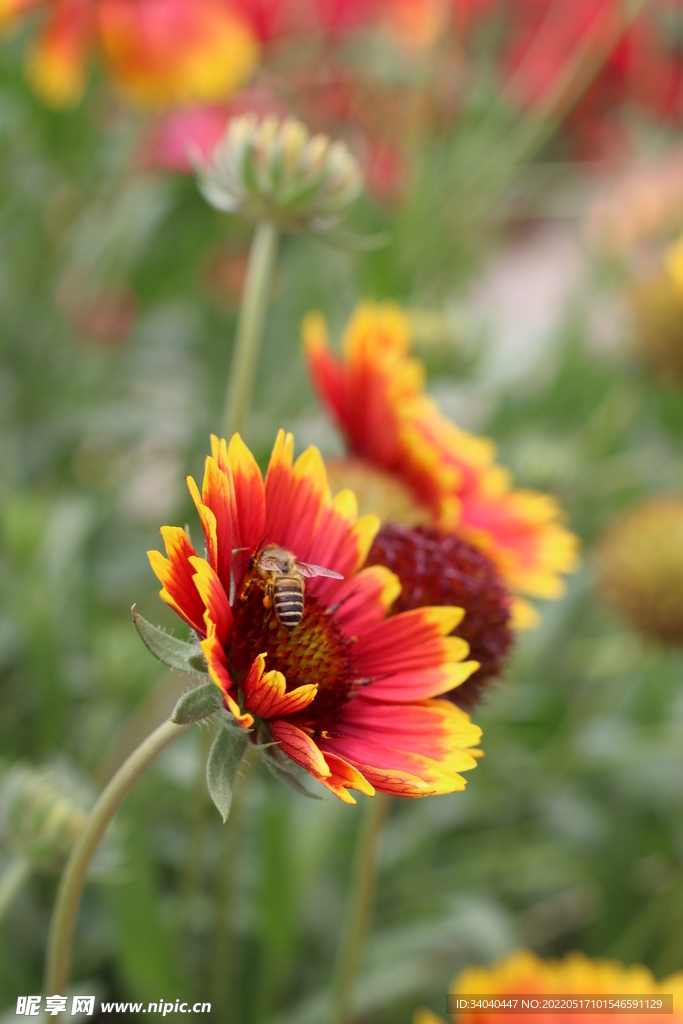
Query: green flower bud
{"points": [[272, 170], [42, 813], [639, 563]]}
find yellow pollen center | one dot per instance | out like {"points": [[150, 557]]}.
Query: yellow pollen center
{"points": [[315, 651]]}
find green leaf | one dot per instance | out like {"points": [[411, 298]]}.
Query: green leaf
{"points": [[187, 657], [193, 706], [350, 242], [224, 759], [284, 770]]}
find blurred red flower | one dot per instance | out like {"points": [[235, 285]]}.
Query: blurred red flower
{"points": [[154, 51]]}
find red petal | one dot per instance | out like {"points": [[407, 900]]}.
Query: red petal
{"points": [[363, 600], [265, 692], [176, 575], [411, 640], [218, 670], [218, 495], [218, 613], [250, 497], [300, 748]]}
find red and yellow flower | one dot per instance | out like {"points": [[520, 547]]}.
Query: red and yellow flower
{"points": [[175, 51], [154, 51], [349, 695], [446, 476], [524, 973]]}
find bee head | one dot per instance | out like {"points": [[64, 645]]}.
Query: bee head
{"points": [[275, 559]]}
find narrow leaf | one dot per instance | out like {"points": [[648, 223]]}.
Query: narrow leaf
{"points": [[187, 657], [197, 704], [221, 768], [349, 242]]}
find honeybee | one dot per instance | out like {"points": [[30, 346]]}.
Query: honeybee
{"points": [[281, 576]]}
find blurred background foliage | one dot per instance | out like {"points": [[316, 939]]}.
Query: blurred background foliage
{"points": [[118, 296]]}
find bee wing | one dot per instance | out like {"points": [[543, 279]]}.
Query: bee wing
{"points": [[267, 563], [306, 569]]}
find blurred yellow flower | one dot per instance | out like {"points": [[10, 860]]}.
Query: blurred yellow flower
{"points": [[523, 972]]}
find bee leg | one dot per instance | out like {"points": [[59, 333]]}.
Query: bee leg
{"points": [[245, 591], [268, 603]]}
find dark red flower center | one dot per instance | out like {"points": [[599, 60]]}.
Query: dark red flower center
{"points": [[436, 568], [315, 651]]}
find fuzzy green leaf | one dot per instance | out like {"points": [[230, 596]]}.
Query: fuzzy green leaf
{"points": [[186, 657], [221, 768], [197, 704]]}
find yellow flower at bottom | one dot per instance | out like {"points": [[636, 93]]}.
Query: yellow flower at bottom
{"points": [[525, 973]]}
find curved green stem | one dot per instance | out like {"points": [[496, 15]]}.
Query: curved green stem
{"points": [[60, 940], [222, 977], [359, 905], [12, 879], [252, 316]]}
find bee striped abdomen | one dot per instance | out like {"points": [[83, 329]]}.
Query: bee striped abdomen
{"points": [[288, 600]]}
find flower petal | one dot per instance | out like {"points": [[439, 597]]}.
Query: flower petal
{"points": [[421, 684], [217, 614], [265, 692], [302, 495], [176, 573], [411, 640], [395, 745], [208, 521], [277, 484], [344, 777], [218, 495], [218, 670], [364, 600], [250, 497], [299, 746]]}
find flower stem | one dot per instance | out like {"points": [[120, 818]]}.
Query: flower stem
{"points": [[12, 879], [359, 905], [60, 940], [252, 315]]}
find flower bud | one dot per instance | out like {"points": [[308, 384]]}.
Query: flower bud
{"points": [[277, 171], [42, 813], [639, 563], [657, 304]]}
